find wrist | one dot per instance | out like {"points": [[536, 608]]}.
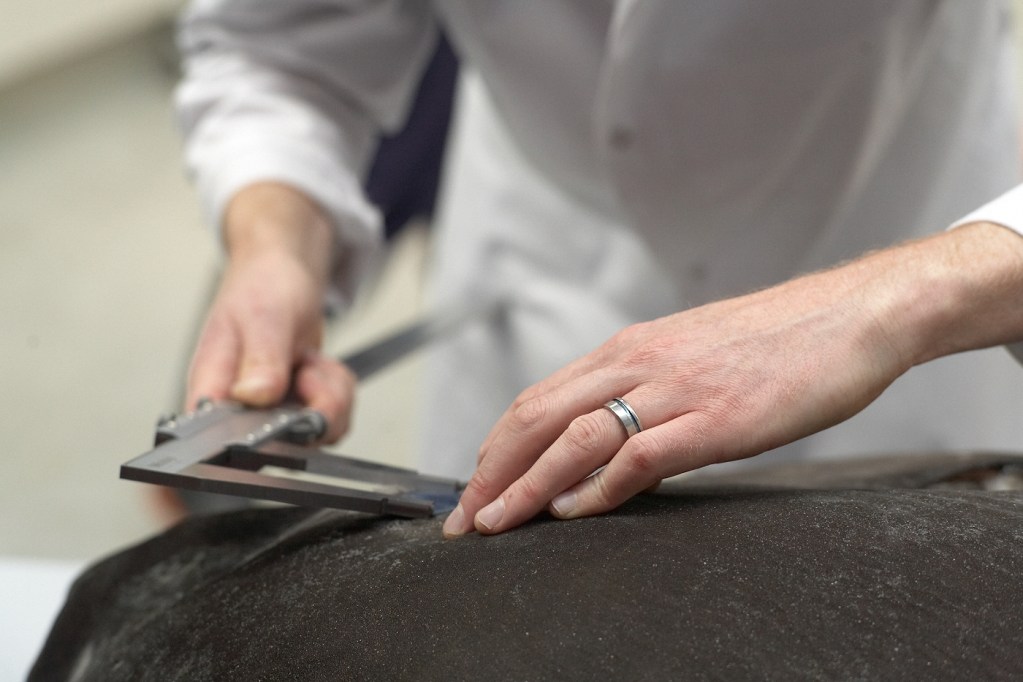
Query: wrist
{"points": [[273, 219], [952, 292]]}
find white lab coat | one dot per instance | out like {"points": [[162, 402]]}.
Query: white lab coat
{"points": [[624, 160]]}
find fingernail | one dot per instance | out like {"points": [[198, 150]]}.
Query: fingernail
{"points": [[454, 525], [564, 504], [491, 515], [252, 386]]}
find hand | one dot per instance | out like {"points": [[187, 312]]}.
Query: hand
{"points": [[265, 326], [736, 378]]}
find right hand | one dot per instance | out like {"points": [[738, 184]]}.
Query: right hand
{"points": [[265, 326]]}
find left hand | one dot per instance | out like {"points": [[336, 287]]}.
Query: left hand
{"points": [[724, 381]]}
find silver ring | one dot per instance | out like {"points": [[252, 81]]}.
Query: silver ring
{"points": [[626, 415]]}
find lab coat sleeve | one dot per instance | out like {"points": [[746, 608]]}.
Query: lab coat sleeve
{"points": [[1006, 210], [297, 92]]}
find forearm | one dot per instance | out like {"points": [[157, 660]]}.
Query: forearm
{"points": [[297, 92]]}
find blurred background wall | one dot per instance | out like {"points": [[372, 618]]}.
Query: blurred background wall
{"points": [[49, 34]]}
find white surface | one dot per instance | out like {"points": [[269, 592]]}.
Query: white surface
{"points": [[32, 591], [37, 35]]}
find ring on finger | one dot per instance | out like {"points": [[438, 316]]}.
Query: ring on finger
{"points": [[626, 415]]}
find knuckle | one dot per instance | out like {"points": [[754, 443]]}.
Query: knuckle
{"points": [[525, 396], [642, 456], [479, 486], [529, 413], [586, 433], [530, 491], [651, 353], [632, 336]]}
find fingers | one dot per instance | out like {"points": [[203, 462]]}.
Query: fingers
{"points": [[268, 354], [537, 391], [561, 481], [255, 365], [328, 387], [320, 382], [530, 428], [587, 444], [644, 460], [251, 365]]}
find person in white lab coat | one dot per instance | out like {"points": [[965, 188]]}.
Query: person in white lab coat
{"points": [[631, 171]]}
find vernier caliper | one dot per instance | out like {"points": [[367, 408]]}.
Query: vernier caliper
{"points": [[221, 447]]}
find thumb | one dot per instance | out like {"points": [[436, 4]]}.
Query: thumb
{"points": [[264, 371]]}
